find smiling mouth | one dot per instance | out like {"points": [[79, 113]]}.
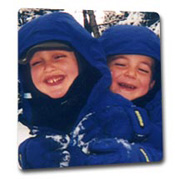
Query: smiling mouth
{"points": [[127, 86], [54, 80]]}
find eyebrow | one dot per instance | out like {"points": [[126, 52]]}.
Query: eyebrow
{"points": [[115, 57], [148, 64]]}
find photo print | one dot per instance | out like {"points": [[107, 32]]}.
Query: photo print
{"points": [[89, 88]]}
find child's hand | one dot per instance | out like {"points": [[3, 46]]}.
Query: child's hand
{"points": [[44, 152], [113, 151], [108, 151], [85, 132]]}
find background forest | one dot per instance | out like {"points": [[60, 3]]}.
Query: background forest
{"points": [[97, 21]]}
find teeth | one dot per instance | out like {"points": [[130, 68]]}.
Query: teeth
{"points": [[50, 81], [127, 86], [53, 80]]}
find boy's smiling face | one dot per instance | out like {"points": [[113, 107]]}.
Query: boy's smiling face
{"points": [[131, 75], [53, 71]]}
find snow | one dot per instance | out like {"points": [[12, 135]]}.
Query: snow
{"points": [[23, 133], [63, 140], [80, 126], [124, 143], [77, 137], [99, 16], [66, 159], [134, 18], [77, 14]]}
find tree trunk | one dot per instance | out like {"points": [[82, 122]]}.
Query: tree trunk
{"points": [[93, 23]]}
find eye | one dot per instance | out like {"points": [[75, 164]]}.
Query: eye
{"points": [[57, 57], [144, 70], [35, 63], [120, 64]]}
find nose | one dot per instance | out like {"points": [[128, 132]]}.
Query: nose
{"points": [[130, 72], [49, 66]]}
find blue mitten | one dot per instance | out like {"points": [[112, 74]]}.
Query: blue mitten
{"points": [[113, 151], [86, 130], [131, 123], [77, 156], [44, 152]]}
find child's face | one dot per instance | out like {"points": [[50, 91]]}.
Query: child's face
{"points": [[53, 71], [131, 75]]}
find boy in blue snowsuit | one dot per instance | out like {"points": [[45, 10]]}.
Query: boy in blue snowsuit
{"points": [[133, 57], [52, 115], [59, 84]]}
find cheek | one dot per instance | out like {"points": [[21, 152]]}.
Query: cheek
{"points": [[114, 85], [72, 71], [114, 73], [73, 74], [73, 66], [146, 83], [35, 77]]}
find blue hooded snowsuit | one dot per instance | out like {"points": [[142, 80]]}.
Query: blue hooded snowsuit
{"points": [[137, 40], [128, 39], [44, 116], [106, 115], [135, 125]]}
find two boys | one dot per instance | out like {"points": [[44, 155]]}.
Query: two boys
{"points": [[68, 82]]}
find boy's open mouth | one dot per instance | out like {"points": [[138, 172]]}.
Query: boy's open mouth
{"points": [[54, 80], [127, 86]]}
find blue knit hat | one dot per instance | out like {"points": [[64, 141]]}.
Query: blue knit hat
{"points": [[128, 39]]}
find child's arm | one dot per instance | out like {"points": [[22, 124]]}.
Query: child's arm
{"points": [[111, 151], [46, 151], [113, 125]]}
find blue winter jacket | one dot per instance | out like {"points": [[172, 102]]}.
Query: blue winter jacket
{"points": [[105, 115], [128, 39], [60, 27], [64, 29], [138, 123]]}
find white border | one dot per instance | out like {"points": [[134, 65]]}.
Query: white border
{"points": [[8, 74]]}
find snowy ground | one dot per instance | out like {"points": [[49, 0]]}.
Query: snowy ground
{"points": [[23, 133]]}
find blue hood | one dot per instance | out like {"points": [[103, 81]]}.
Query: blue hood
{"points": [[60, 27], [128, 39], [64, 28]]}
